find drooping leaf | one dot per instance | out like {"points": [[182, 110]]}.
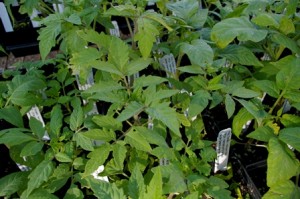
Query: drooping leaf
{"points": [[100, 134], [154, 189], [199, 101], [83, 141], [262, 133], [12, 115], [227, 30], [166, 115], [239, 120], [277, 171], [108, 122], [47, 38], [37, 127], [15, 137], [39, 175], [138, 141], [199, 52], [146, 36], [240, 55], [119, 153], [291, 136], [31, 148], [56, 120], [11, 183], [229, 105], [254, 109], [245, 93], [289, 75], [148, 80], [136, 185], [97, 158], [130, 110]]}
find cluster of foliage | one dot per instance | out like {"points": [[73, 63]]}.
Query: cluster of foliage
{"points": [[149, 138]]}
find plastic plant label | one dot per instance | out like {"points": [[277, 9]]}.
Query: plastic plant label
{"points": [[286, 107], [59, 7], [100, 170], [35, 112], [150, 123], [169, 64], [115, 31], [5, 18], [223, 146], [164, 162], [34, 14]]}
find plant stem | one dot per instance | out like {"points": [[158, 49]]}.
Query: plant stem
{"points": [[276, 102], [131, 33]]}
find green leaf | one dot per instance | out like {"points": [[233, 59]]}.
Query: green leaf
{"points": [[74, 19], [148, 81], [290, 120], [31, 148], [84, 142], [119, 153], [229, 105], [20, 89], [245, 93], [240, 55], [12, 115], [106, 190], [291, 136], [267, 86], [100, 134], [108, 122], [56, 120], [97, 158], [262, 133], [258, 112], [108, 67], [146, 36], [289, 75], [159, 95], [37, 127], [47, 38], [227, 30], [42, 194], [39, 175], [199, 101], [193, 69], [174, 179], [284, 189], [104, 86], [15, 137], [12, 183], [90, 35], [62, 157], [76, 118], [74, 192], [118, 54], [154, 189], [199, 52], [136, 65], [138, 141], [280, 169], [136, 185], [286, 42], [166, 115], [292, 95], [152, 136], [239, 120], [130, 110], [265, 20], [286, 25]]}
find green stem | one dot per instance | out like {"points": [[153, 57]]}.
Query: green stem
{"points": [[131, 32], [279, 52], [276, 102]]}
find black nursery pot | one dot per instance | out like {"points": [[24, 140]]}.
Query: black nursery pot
{"points": [[22, 40]]}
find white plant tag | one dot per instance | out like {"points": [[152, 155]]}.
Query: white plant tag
{"points": [[164, 162], [169, 64], [286, 106], [59, 7], [5, 18], [34, 23], [35, 112], [100, 170], [116, 30], [223, 146]]}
